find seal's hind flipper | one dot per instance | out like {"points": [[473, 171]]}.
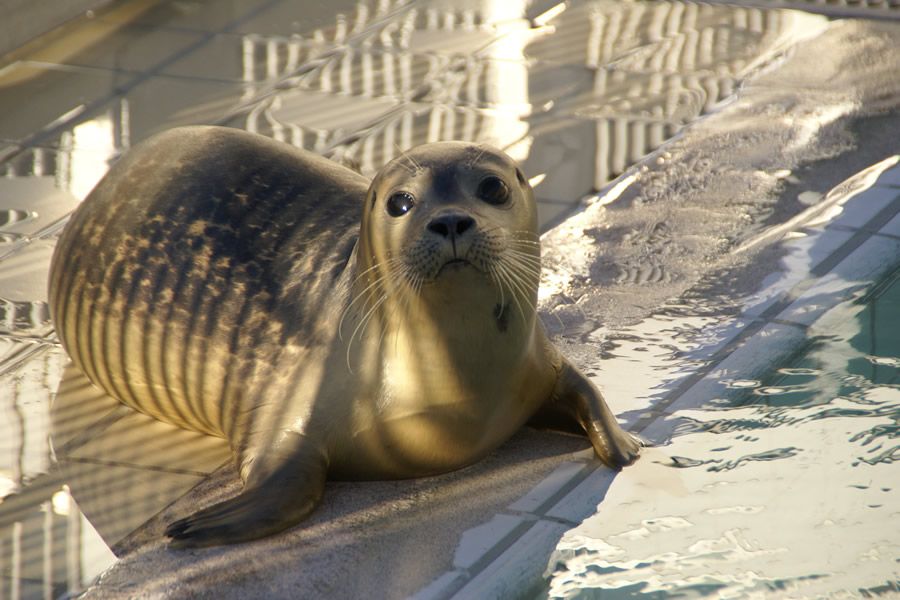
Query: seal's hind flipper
{"points": [[282, 488], [577, 402]]}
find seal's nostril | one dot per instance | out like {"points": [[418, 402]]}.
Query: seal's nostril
{"points": [[439, 227], [455, 224], [463, 224]]}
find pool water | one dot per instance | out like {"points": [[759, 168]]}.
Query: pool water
{"points": [[787, 487]]}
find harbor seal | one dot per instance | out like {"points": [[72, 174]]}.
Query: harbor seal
{"points": [[324, 325]]}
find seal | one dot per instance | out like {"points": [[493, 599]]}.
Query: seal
{"points": [[324, 325]]}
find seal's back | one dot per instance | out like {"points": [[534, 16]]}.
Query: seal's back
{"points": [[198, 244]]}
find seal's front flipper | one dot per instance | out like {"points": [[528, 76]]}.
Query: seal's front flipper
{"points": [[577, 402], [280, 491]]}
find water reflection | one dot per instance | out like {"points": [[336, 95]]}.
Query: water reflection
{"points": [[783, 486], [47, 546], [578, 93]]}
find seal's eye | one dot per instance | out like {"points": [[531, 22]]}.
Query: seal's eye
{"points": [[493, 191], [400, 203]]}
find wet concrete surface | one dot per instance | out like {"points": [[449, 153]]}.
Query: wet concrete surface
{"points": [[742, 135]]}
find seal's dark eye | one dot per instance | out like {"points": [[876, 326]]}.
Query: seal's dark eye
{"points": [[493, 191], [400, 203]]}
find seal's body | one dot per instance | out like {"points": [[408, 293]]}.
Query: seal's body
{"points": [[325, 326]]}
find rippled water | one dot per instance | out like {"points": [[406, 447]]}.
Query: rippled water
{"points": [[788, 487]]}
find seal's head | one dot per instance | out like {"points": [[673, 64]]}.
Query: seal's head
{"points": [[453, 214]]}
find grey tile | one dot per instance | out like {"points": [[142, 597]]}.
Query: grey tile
{"points": [[160, 103], [36, 191], [519, 567], [36, 95], [127, 47], [869, 262], [118, 499], [549, 486], [80, 412], [286, 18], [442, 587], [476, 542], [551, 213], [800, 256], [892, 227], [144, 442], [891, 177], [772, 344], [23, 274], [582, 501], [77, 155], [225, 57], [198, 15], [857, 210]]}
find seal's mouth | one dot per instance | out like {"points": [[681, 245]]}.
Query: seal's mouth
{"points": [[452, 265]]}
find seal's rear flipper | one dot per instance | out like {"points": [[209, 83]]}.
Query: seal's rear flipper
{"points": [[282, 488], [577, 399]]}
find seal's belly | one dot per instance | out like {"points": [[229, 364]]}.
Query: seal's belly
{"points": [[420, 444], [431, 433]]}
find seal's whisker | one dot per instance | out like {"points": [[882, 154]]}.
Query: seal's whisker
{"points": [[364, 273], [525, 256], [501, 280], [365, 292], [365, 320], [534, 271], [482, 149], [499, 285], [527, 233], [524, 243], [406, 272], [403, 154], [517, 277], [415, 289], [523, 264], [504, 273]]}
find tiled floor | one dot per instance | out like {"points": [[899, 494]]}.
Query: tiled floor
{"points": [[577, 97]]}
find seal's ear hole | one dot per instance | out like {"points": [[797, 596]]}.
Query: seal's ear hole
{"points": [[521, 176], [374, 197]]}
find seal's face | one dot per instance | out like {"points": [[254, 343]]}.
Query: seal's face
{"points": [[450, 210]]}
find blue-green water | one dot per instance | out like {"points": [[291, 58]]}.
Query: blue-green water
{"points": [[787, 488]]}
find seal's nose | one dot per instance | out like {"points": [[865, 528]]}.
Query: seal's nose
{"points": [[451, 225]]}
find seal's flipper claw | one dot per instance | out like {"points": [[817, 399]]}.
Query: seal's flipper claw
{"points": [[576, 396], [239, 519], [278, 495]]}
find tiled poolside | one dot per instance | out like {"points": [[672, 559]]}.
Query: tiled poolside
{"points": [[709, 198]]}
